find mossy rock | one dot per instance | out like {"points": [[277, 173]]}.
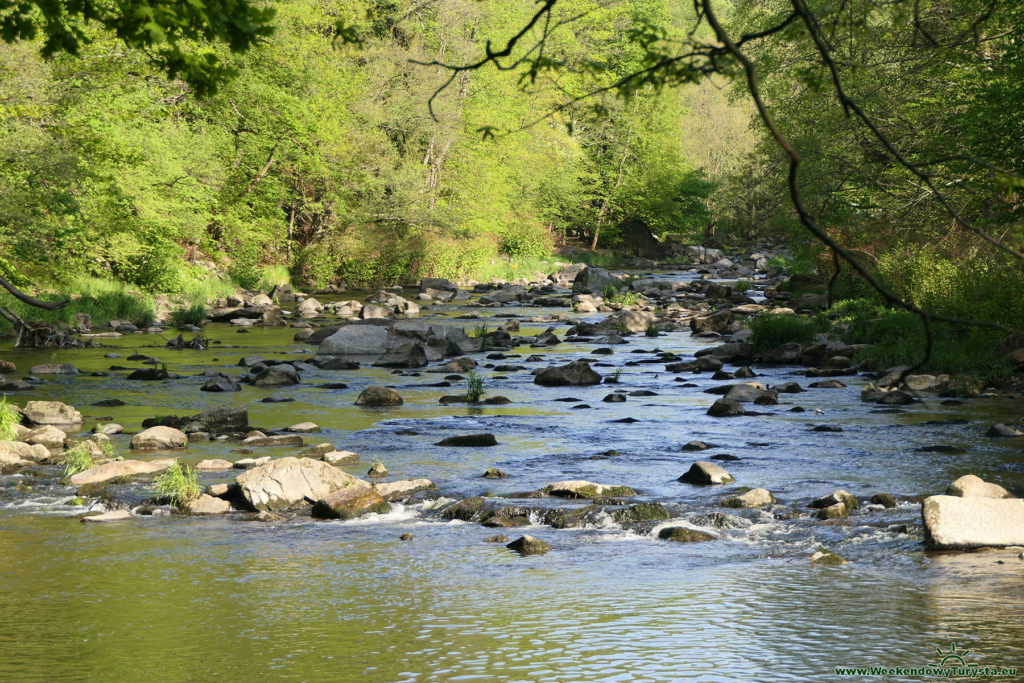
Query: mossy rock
{"points": [[642, 512], [827, 557], [466, 510]]}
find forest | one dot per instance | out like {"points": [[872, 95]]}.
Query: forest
{"points": [[338, 142]]}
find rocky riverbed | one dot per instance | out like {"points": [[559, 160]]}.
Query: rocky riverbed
{"points": [[643, 422]]}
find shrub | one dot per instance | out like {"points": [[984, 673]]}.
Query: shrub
{"points": [[193, 315], [179, 484], [770, 331], [475, 387]]}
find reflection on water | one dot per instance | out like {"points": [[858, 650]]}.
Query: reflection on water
{"points": [[202, 599]]}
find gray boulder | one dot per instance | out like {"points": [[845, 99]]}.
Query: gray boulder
{"points": [[276, 376], [51, 413], [593, 280], [726, 407], [118, 469], [576, 373], [971, 486], [288, 481], [225, 419]]}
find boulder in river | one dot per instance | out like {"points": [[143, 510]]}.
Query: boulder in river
{"points": [[1003, 430], [118, 469], [207, 505], [726, 407], [276, 376], [54, 369], [681, 534], [704, 473], [225, 419], [47, 435], [585, 489], [17, 452], [220, 384], [350, 502], [51, 413], [469, 440], [835, 505], [754, 498], [972, 486], [951, 522], [398, 490], [576, 373], [288, 481], [159, 438], [528, 545], [376, 396]]}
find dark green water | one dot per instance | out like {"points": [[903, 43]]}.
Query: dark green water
{"points": [[157, 599]]}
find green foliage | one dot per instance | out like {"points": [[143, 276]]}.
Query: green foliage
{"points": [[103, 300], [898, 338], [770, 331], [652, 330], [742, 286], [478, 331], [178, 483], [194, 315], [77, 459], [613, 294], [163, 30], [8, 418], [474, 387]]}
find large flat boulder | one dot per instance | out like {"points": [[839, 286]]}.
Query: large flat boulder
{"points": [[120, 468], [955, 523], [51, 413], [356, 340], [286, 482]]}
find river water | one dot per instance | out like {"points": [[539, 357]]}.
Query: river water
{"points": [[177, 598]]}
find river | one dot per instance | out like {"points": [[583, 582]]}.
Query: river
{"points": [[185, 598]]}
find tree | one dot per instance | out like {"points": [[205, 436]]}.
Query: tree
{"points": [[955, 58], [167, 31]]}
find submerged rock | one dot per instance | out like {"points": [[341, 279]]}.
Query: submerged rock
{"points": [[835, 505], [1002, 430], [469, 440], [111, 516], [398, 490]]}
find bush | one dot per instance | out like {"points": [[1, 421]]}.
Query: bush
{"points": [[179, 484], [770, 331], [475, 387], [524, 241]]}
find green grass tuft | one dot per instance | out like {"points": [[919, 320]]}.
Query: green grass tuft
{"points": [[77, 459], [193, 315], [475, 387], [179, 484]]}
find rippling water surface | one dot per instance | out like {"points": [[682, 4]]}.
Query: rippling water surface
{"points": [[203, 599]]}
